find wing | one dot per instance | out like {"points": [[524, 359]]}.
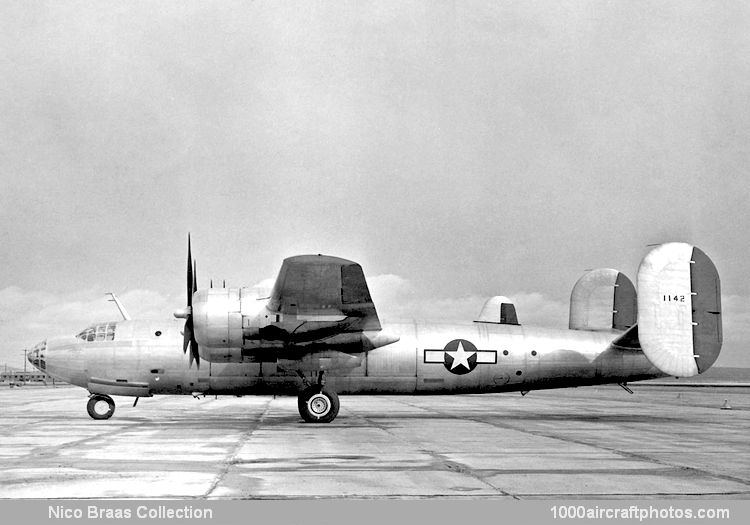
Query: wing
{"points": [[320, 300], [318, 303], [320, 288]]}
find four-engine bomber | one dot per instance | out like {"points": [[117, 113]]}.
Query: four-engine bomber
{"points": [[319, 334]]}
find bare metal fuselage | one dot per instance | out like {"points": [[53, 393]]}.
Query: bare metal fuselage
{"points": [[514, 358]]}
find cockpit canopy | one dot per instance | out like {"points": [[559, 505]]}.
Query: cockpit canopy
{"points": [[98, 332]]}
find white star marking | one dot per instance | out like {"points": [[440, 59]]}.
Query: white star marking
{"points": [[460, 356]]}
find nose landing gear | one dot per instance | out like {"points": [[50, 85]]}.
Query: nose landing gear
{"points": [[100, 406]]}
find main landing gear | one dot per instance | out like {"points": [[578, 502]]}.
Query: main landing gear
{"points": [[100, 406], [316, 403]]}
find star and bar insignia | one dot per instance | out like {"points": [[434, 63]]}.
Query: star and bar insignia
{"points": [[460, 356]]}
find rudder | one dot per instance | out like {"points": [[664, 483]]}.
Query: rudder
{"points": [[707, 330]]}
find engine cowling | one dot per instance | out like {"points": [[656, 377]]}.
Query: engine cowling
{"points": [[224, 317]]}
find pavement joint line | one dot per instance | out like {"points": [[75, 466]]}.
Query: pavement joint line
{"points": [[459, 468], [575, 394], [701, 439], [365, 497], [53, 452], [232, 458], [624, 453], [639, 495], [630, 455]]}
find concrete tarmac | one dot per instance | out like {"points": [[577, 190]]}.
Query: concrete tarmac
{"points": [[593, 442]]}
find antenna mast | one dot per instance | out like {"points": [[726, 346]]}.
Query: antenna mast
{"points": [[120, 307]]}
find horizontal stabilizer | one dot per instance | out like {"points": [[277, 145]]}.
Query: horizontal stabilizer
{"points": [[679, 309]]}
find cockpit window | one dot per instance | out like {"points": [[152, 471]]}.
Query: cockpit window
{"points": [[98, 332]]}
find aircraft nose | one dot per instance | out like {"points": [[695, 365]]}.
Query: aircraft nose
{"points": [[37, 356]]}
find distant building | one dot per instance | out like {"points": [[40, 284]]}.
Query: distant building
{"points": [[11, 376]]}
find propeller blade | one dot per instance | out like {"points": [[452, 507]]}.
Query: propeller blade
{"points": [[195, 353], [187, 336], [195, 276], [190, 279]]}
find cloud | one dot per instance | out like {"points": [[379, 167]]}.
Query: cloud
{"points": [[397, 298], [536, 309], [263, 288], [29, 316]]}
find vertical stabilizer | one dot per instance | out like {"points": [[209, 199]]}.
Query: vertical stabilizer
{"points": [[602, 299], [679, 309]]}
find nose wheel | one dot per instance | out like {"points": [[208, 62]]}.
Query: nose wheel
{"points": [[317, 404], [100, 406]]}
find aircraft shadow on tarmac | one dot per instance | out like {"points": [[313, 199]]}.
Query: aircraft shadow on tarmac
{"points": [[385, 419]]}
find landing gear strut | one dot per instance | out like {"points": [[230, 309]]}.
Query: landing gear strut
{"points": [[100, 406], [316, 403]]}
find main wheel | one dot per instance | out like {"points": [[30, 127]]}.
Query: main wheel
{"points": [[100, 406], [318, 405]]}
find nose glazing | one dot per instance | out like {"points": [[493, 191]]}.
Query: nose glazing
{"points": [[37, 355]]}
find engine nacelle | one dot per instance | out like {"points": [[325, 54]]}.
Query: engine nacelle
{"points": [[223, 317], [318, 303]]}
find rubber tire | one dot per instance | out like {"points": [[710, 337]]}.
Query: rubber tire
{"points": [[94, 400], [318, 405]]}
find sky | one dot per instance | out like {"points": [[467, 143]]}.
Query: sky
{"points": [[457, 150]]}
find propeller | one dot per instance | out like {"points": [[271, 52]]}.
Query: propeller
{"points": [[188, 340]]}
